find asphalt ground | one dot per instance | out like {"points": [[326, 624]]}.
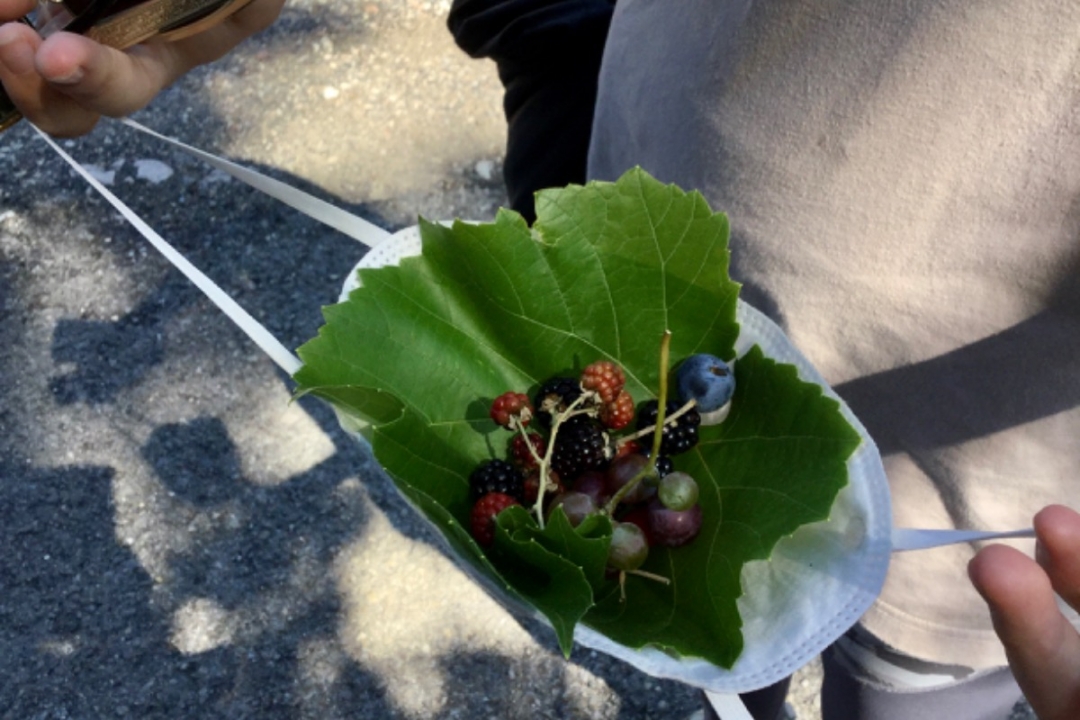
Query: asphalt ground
{"points": [[181, 541]]}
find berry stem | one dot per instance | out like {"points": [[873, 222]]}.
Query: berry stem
{"points": [[640, 573], [528, 443], [658, 430], [557, 419], [650, 576], [661, 407], [669, 420]]}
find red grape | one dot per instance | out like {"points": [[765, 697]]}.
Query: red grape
{"points": [[624, 469], [672, 528], [594, 484], [576, 505], [628, 549], [678, 491]]}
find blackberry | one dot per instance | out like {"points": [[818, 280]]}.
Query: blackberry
{"points": [[482, 518], [554, 396], [664, 464], [677, 438], [581, 444], [497, 476]]}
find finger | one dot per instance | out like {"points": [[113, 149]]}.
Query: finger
{"points": [[102, 79], [107, 81], [1058, 530], [15, 9], [26, 88], [1042, 647], [72, 80]]}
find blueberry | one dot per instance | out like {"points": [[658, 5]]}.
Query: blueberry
{"points": [[706, 379]]}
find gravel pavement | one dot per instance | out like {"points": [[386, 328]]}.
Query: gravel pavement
{"points": [[181, 541]]}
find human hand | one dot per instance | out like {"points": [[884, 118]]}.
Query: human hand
{"points": [[1042, 646], [64, 83]]}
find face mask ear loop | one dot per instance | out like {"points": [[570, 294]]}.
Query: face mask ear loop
{"points": [[360, 230], [249, 325], [907, 539], [728, 707]]}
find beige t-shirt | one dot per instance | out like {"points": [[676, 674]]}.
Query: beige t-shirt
{"points": [[903, 184]]}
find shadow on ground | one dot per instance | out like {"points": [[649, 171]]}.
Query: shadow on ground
{"points": [[238, 615]]}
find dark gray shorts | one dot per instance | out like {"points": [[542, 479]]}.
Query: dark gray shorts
{"points": [[866, 680]]}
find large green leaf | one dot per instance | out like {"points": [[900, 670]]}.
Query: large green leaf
{"points": [[555, 568], [772, 466], [421, 349]]}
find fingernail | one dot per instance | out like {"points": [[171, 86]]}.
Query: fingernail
{"points": [[17, 55], [70, 79]]}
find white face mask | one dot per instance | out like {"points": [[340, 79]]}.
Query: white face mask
{"points": [[816, 585]]}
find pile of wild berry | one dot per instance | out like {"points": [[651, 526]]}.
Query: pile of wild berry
{"points": [[580, 444]]}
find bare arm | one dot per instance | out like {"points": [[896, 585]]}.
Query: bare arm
{"points": [[65, 83]]}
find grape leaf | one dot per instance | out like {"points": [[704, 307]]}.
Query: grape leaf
{"points": [[420, 350], [555, 568], [763, 472]]}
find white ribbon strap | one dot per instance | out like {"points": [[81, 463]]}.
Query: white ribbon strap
{"points": [[320, 210], [904, 539], [251, 327], [728, 707]]}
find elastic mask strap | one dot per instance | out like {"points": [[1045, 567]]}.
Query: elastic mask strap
{"points": [[360, 230], [251, 327], [728, 707], [905, 539]]}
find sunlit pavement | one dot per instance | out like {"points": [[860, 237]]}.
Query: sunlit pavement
{"points": [[180, 540]]}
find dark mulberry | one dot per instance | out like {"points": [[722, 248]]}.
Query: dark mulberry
{"points": [[555, 396], [678, 437], [497, 476], [580, 444]]}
